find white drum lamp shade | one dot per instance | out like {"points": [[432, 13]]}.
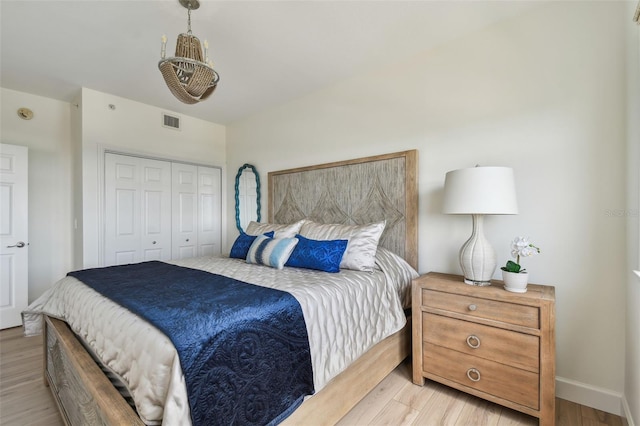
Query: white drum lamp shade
{"points": [[478, 191]]}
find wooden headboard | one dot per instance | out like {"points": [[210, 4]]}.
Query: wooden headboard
{"points": [[354, 192]]}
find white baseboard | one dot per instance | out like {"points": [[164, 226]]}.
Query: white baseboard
{"points": [[591, 396], [627, 411]]}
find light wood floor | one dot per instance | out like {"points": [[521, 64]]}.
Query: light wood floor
{"points": [[24, 399]]}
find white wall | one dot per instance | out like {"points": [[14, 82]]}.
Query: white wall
{"points": [[48, 138], [543, 93], [132, 127], [632, 370]]}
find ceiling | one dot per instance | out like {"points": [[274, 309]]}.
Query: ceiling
{"points": [[266, 52]]}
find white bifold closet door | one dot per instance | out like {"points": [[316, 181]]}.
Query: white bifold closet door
{"points": [[185, 207], [160, 210], [137, 209], [196, 210]]}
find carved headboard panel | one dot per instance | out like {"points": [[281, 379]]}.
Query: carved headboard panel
{"points": [[356, 192]]}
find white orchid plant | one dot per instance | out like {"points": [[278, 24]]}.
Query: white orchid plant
{"points": [[520, 247]]}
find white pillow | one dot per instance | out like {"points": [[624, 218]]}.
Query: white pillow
{"points": [[281, 231], [360, 254], [272, 252], [399, 273]]}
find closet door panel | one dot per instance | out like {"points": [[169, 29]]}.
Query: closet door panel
{"points": [[126, 208], [152, 227], [137, 209], [184, 210], [156, 210], [124, 257], [122, 210]]}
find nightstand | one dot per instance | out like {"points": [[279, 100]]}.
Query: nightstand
{"points": [[486, 341]]}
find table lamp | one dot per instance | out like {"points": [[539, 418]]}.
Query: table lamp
{"points": [[479, 191]]}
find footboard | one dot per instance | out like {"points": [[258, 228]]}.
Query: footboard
{"points": [[85, 396], [83, 393]]}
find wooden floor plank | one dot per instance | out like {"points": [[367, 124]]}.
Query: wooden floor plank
{"points": [[395, 413], [514, 418], [593, 416], [443, 408], [479, 412], [568, 413], [368, 409], [16, 409], [415, 396], [24, 398]]}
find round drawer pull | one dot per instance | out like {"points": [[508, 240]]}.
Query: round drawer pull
{"points": [[473, 375], [472, 307], [473, 341]]}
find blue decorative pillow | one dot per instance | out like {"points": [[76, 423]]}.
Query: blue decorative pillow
{"points": [[272, 252], [241, 246], [314, 254]]}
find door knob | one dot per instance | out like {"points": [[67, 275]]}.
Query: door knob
{"points": [[19, 244]]}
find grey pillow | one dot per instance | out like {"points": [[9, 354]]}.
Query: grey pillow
{"points": [[281, 231]]}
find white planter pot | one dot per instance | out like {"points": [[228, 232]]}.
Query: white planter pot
{"points": [[515, 282]]}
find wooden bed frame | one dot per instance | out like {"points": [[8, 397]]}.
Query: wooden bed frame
{"points": [[86, 396]]}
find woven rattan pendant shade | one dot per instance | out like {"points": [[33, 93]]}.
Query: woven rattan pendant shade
{"points": [[188, 75]]}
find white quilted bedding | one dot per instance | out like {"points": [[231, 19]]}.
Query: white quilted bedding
{"points": [[345, 313]]}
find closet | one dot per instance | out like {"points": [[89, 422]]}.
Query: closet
{"points": [[160, 210]]}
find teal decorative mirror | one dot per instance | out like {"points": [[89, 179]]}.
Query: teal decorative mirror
{"points": [[247, 196]]}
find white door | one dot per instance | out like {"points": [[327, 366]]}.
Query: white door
{"points": [[209, 211], [185, 210], [14, 251], [137, 209], [122, 210], [156, 210]]}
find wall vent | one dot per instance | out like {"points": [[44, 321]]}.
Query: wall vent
{"points": [[171, 121]]}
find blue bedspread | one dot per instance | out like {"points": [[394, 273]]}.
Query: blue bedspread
{"points": [[243, 348]]}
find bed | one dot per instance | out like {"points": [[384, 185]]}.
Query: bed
{"points": [[354, 193]]}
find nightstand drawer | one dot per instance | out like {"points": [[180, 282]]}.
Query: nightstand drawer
{"points": [[526, 316], [493, 378], [496, 344]]}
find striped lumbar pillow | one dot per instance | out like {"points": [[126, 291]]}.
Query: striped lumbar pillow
{"points": [[272, 252]]}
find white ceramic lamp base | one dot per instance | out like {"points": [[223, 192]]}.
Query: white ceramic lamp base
{"points": [[477, 257]]}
